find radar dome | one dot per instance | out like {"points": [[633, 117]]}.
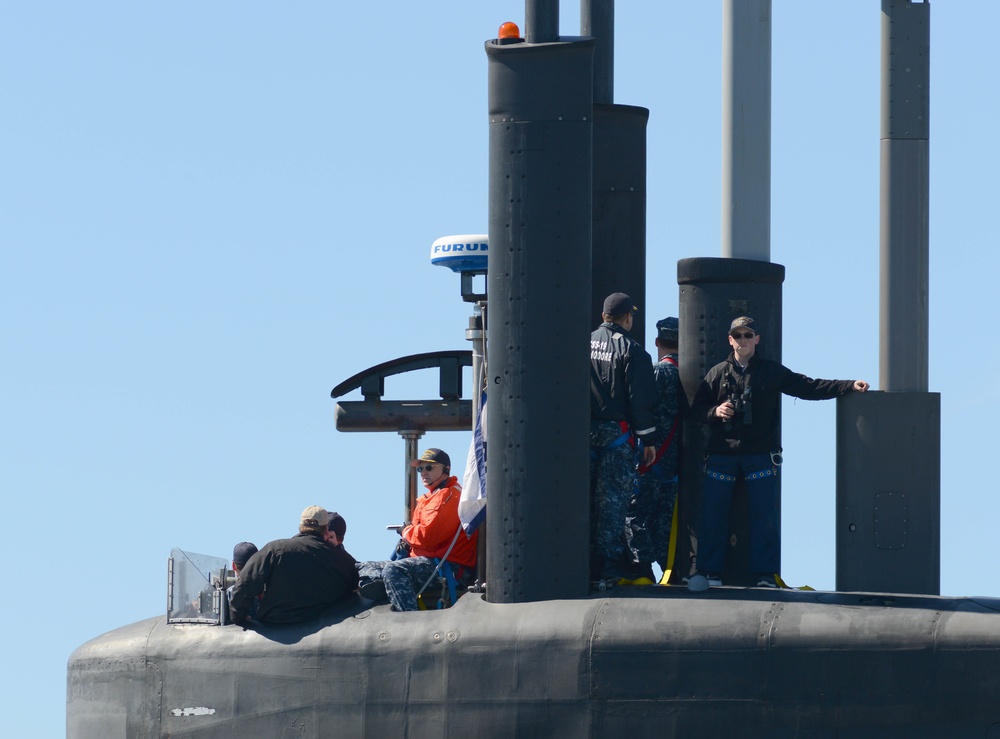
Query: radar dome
{"points": [[462, 253]]}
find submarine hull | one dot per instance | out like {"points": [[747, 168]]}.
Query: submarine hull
{"points": [[653, 660]]}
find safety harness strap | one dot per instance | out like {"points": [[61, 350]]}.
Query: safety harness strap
{"points": [[440, 562], [672, 548], [662, 449], [626, 436]]}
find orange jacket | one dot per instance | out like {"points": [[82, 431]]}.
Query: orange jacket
{"points": [[435, 521]]}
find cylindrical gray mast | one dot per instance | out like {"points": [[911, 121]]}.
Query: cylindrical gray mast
{"points": [[541, 21], [597, 20], [746, 129], [619, 255], [903, 326]]}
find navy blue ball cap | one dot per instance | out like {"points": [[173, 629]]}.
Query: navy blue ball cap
{"points": [[243, 552], [668, 330]]}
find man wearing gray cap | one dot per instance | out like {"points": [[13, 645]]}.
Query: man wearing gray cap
{"points": [[298, 578], [740, 400], [622, 430], [651, 510]]}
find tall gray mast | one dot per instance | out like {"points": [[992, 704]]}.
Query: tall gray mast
{"points": [[746, 129], [903, 237], [619, 209], [597, 20], [541, 21]]}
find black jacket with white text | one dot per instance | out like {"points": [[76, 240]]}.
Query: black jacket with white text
{"points": [[622, 387]]}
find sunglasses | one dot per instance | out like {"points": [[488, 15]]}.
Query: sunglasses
{"points": [[743, 336], [425, 467]]}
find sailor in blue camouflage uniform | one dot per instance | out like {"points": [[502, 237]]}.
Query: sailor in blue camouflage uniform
{"points": [[622, 429], [652, 509]]}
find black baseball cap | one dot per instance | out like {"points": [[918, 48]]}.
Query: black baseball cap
{"points": [[337, 524], [618, 304], [743, 322]]}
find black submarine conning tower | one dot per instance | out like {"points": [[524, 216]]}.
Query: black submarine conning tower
{"points": [[567, 215], [888, 443], [540, 194], [549, 101]]}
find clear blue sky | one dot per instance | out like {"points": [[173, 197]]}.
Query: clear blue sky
{"points": [[212, 213]]}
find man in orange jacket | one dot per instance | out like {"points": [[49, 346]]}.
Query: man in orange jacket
{"points": [[435, 533]]}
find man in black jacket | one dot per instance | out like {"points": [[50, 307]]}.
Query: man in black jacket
{"points": [[299, 577], [740, 399], [622, 398]]}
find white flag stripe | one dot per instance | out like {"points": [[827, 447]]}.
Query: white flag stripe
{"points": [[472, 506]]}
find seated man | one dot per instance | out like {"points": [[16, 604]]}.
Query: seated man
{"points": [[337, 528], [241, 555], [434, 533], [298, 578]]}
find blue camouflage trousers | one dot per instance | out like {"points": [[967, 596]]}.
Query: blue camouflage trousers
{"points": [[650, 515], [402, 577], [612, 483]]}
